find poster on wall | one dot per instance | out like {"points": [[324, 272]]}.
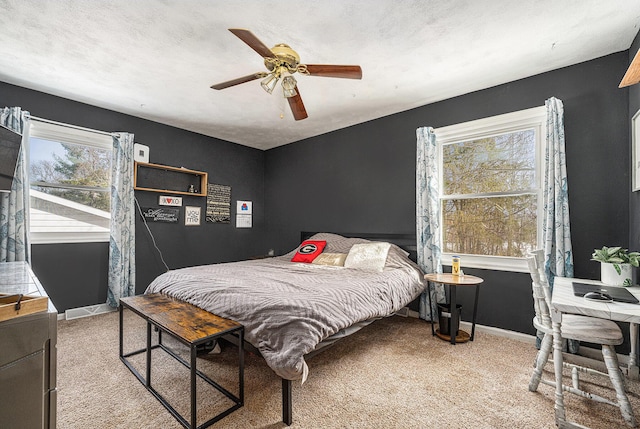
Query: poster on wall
{"points": [[244, 214], [191, 216], [218, 203], [160, 214], [244, 207]]}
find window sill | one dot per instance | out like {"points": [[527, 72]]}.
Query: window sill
{"points": [[496, 263], [60, 238]]}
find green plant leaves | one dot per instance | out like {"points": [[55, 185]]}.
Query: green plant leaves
{"points": [[616, 255]]}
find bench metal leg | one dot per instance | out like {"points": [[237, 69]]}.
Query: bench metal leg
{"points": [[191, 364], [192, 368]]}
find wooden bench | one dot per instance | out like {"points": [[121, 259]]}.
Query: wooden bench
{"points": [[191, 326]]}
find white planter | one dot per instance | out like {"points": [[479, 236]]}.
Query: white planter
{"points": [[609, 275]]}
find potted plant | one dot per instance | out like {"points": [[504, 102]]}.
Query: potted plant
{"points": [[615, 265]]}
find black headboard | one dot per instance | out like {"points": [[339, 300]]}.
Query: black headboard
{"points": [[406, 242]]}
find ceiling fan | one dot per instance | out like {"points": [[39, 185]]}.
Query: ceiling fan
{"points": [[282, 62]]}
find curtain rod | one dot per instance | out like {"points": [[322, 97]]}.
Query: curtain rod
{"points": [[48, 121]]}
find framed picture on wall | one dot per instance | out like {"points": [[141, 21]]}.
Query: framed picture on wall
{"points": [[635, 149], [191, 216]]}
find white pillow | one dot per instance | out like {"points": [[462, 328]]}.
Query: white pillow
{"points": [[368, 256]]}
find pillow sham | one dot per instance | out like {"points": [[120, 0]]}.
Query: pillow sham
{"points": [[337, 243], [334, 259], [368, 256], [309, 250]]}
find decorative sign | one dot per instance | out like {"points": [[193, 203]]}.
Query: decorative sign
{"points": [[191, 216], [244, 207], [160, 214], [218, 203], [243, 221], [170, 201], [244, 214]]}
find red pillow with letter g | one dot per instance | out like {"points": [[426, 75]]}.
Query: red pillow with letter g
{"points": [[309, 250]]}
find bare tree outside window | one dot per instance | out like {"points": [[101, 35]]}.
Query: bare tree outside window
{"points": [[489, 202]]}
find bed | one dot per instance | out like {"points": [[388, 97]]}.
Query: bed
{"points": [[292, 310]]}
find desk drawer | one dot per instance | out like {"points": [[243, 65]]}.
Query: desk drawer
{"points": [[22, 336]]}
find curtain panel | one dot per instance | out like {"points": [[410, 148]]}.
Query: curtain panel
{"points": [[122, 253], [428, 216], [558, 253], [14, 206], [555, 228]]}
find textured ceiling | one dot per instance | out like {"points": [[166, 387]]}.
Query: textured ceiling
{"points": [[157, 59]]}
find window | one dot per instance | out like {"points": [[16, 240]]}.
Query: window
{"points": [[70, 175], [491, 189]]}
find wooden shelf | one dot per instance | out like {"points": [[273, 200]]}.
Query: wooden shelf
{"points": [[169, 180]]}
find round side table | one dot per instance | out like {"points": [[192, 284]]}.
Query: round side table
{"points": [[454, 281]]}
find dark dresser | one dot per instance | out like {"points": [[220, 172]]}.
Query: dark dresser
{"points": [[27, 356]]}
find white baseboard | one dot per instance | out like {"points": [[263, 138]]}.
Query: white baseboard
{"points": [[406, 312], [587, 356], [500, 332], [91, 310]]}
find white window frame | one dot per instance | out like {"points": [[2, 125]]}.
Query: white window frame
{"points": [[534, 118], [54, 131]]}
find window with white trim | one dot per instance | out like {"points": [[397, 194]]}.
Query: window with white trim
{"points": [[490, 189], [70, 183]]}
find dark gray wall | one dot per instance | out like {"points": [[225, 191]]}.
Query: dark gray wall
{"points": [[634, 197], [75, 275], [362, 178]]}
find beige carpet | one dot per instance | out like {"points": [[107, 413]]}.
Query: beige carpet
{"points": [[391, 374]]}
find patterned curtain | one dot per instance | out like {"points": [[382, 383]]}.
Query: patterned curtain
{"points": [[122, 253], [428, 216], [555, 228], [14, 206]]}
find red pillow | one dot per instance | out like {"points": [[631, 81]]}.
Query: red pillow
{"points": [[309, 250]]}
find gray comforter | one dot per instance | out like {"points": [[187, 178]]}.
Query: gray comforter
{"points": [[288, 308]]}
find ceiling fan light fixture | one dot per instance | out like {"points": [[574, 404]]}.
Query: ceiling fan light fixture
{"points": [[269, 83], [289, 86]]}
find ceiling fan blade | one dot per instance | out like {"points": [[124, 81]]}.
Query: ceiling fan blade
{"points": [[239, 80], [297, 106], [327, 70], [254, 43], [632, 76]]}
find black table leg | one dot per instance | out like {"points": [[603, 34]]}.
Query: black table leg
{"points": [[433, 331], [475, 310], [455, 321]]}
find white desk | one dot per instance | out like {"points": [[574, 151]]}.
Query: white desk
{"points": [[564, 301]]}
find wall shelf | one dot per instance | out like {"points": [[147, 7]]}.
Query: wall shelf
{"points": [[169, 180]]}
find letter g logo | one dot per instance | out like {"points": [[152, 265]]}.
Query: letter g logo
{"points": [[308, 248]]}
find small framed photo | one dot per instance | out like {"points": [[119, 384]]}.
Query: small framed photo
{"points": [[191, 216], [140, 153], [635, 148]]}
